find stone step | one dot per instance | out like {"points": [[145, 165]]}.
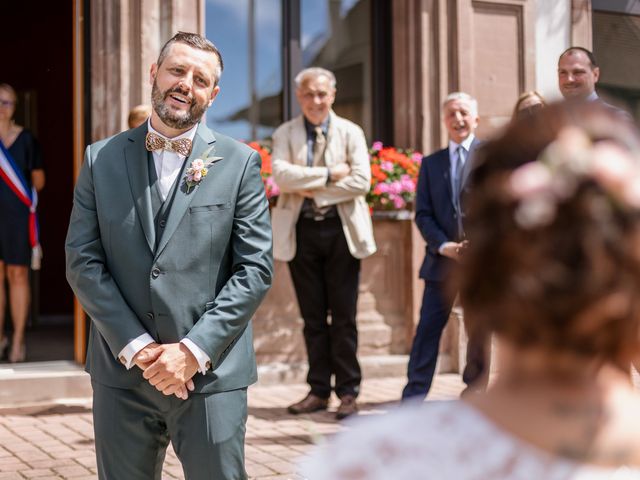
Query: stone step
{"points": [[36, 383], [42, 382]]}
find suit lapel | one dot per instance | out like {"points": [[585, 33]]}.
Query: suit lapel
{"points": [[469, 164], [137, 159], [202, 141], [299, 141], [446, 173]]}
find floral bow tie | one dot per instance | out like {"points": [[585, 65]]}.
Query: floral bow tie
{"points": [[154, 142]]}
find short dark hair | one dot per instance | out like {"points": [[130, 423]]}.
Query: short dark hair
{"points": [[569, 286], [588, 53], [196, 41]]}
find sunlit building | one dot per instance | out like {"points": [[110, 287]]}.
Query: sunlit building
{"points": [[79, 66]]}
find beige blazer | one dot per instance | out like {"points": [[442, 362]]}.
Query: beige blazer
{"points": [[345, 143]]}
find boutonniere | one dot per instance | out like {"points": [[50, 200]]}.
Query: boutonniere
{"points": [[199, 169]]}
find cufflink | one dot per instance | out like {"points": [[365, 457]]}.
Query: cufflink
{"points": [[122, 360], [207, 365]]}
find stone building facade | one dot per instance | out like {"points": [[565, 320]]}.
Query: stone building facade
{"points": [[418, 51]]}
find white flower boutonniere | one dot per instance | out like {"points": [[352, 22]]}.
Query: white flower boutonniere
{"points": [[195, 173], [198, 170]]}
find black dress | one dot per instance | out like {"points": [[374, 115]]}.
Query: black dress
{"points": [[14, 215]]}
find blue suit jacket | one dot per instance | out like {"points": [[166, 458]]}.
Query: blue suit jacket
{"points": [[436, 216]]}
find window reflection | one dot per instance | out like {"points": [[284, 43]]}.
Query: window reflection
{"points": [[336, 34], [247, 33]]}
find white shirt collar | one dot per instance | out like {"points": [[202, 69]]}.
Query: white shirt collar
{"points": [[466, 144], [592, 97]]}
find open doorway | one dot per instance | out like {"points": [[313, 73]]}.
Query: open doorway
{"points": [[38, 62]]}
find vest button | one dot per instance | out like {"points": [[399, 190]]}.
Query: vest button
{"points": [[150, 315], [163, 223], [155, 273]]}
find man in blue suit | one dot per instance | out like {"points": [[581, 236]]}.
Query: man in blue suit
{"points": [[443, 177]]}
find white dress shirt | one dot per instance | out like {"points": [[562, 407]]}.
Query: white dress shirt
{"points": [[168, 166]]}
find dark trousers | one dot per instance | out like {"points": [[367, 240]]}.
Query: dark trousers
{"points": [[325, 277], [133, 428], [434, 313]]}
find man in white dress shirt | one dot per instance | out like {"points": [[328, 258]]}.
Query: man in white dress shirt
{"points": [[578, 74]]}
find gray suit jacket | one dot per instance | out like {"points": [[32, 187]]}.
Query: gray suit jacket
{"points": [[211, 268]]}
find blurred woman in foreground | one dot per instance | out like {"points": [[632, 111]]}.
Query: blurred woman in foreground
{"points": [[554, 271]]}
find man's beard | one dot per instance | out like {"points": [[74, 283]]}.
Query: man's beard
{"points": [[176, 119]]}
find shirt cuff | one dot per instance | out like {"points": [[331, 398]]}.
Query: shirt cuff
{"points": [[132, 348], [204, 362], [443, 246]]}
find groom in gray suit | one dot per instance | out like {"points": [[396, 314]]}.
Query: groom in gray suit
{"points": [[169, 252]]}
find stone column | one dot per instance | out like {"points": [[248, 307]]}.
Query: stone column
{"points": [[581, 24], [126, 37]]}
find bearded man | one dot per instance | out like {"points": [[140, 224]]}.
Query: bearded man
{"points": [[169, 252]]}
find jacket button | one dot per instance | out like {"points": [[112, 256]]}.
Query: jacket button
{"points": [[155, 273], [150, 315], [163, 223]]}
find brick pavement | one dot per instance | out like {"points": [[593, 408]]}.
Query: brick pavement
{"points": [[56, 441]]}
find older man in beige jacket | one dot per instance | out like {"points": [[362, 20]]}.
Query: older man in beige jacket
{"points": [[322, 227]]}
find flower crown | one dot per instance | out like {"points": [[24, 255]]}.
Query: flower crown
{"points": [[540, 186]]}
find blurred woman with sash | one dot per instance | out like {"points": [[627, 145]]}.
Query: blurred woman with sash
{"points": [[21, 177]]}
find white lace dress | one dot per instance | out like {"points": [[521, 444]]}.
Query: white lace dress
{"points": [[441, 441]]}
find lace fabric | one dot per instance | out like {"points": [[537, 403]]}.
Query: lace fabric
{"points": [[443, 441]]}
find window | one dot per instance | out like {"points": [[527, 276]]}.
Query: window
{"points": [[334, 34], [248, 35]]}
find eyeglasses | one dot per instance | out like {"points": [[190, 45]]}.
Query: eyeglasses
{"points": [[7, 103]]}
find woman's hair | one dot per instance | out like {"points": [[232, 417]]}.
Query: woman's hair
{"points": [[517, 111], [554, 243]]}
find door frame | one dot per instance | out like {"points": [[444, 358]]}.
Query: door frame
{"points": [[79, 124]]}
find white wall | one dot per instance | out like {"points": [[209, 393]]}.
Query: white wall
{"points": [[553, 34]]}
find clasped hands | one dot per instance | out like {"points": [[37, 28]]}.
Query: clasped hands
{"points": [[168, 367]]}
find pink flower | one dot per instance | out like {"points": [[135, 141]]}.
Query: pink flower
{"points": [[377, 145], [272, 187], [382, 188], [530, 179], [386, 165], [197, 164], [395, 187], [408, 185], [399, 202], [416, 157], [197, 176]]}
